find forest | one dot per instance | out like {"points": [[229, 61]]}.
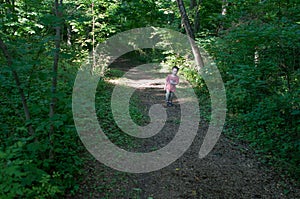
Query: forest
{"points": [[43, 43]]}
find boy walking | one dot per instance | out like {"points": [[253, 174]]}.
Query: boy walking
{"points": [[170, 86]]}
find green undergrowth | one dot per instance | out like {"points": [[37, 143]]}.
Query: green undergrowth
{"points": [[262, 97], [43, 164]]}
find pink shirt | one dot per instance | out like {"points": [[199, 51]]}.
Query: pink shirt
{"points": [[169, 86]]}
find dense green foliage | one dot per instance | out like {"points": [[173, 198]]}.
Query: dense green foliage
{"points": [[259, 59], [255, 44]]}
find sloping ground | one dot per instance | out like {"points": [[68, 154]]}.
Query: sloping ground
{"points": [[229, 171]]}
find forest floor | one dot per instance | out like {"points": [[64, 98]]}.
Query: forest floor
{"points": [[230, 170]]}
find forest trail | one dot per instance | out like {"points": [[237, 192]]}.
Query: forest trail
{"points": [[230, 170]]}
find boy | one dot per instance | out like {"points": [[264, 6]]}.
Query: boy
{"points": [[170, 86]]}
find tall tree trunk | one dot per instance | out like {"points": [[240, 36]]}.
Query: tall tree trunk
{"points": [[197, 17], [18, 84], [58, 14], [93, 39], [188, 29]]}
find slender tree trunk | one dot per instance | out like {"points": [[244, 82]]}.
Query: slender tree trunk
{"points": [[18, 84], [197, 17], [69, 35], [224, 7], [58, 14], [223, 13], [188, 29], [194, 7], [256, 57], [93, 39]]}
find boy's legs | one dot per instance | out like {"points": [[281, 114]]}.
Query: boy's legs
{"points": [[169, 95]]}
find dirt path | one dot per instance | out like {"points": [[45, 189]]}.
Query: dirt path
{"points": [[229, 171]]}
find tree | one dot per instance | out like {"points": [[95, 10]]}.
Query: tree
{"points": [[197, 17], [58, 22], [191, 36], [9, 61]]}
